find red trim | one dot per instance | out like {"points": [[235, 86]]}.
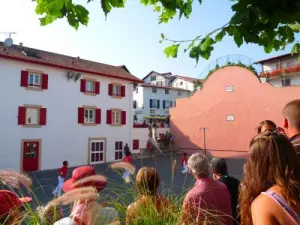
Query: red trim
{"points": [[123, 117], [22, 115], [122, 91], [98, 116], [44, 84], [80, 115], [110, 89], [135, 144], [97, 87], [109, 117], [68, 68], [82, 85], [24, 78], [43, 116]]}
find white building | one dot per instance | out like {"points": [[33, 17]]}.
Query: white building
{"points": [[57, 107], [153, 98], [281, 71]]}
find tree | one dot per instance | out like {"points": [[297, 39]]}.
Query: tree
{"points": [[272, 24]]}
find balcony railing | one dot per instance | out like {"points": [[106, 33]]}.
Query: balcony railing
{"points": [[286, 70]]}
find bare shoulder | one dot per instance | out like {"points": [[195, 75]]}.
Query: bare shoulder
{"points": [[262, 204]]}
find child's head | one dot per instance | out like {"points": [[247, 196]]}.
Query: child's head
{"points": [[65, 163], [50, 214]]}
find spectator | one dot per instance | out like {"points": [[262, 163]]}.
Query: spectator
{"points": [[266, 125], [50, 214], [87, 212], [126, 149], [208, 202], [11, 208], [220, 173], [62, 173], [291, 114], [147, 182], [184, 164], [126, 174], [271, 193]]}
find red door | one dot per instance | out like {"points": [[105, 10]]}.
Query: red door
{"points": [[31, 156]]}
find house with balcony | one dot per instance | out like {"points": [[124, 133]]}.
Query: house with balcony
{"points": [[57, 107], [281, 71], [153, 98]]}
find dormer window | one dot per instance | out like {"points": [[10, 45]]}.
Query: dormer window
{"points": [[153, 77]]}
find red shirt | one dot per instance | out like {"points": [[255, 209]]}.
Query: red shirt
{"points": [[127, 159], [63, 171], [183, 160], [209, 196]]}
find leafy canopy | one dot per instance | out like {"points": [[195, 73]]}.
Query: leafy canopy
{"points": [[271, 24]]}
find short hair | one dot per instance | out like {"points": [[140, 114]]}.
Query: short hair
{"points": [[219, 166], [147, 181], [199, 165], [185, 154], [65, 163], [266, 122], [292, 113]]}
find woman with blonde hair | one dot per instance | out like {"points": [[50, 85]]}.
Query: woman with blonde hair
{"points": [[271, 193], [149, 202]]}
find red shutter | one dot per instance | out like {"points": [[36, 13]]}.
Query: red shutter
{"points": [[108, 117], [122, 91], [24, 78], [82, 85], [98, 116], [80, 115], [123, 117], [44, 81], [97, 88], [110, 89], [135, 145], [43, 116], [22, 115]]}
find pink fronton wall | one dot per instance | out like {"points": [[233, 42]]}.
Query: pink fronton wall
{"points": [[250, 103]]}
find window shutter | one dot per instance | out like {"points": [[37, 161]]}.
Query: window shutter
{"points": [[24, 78], [80, 115], [164, 104], [43, 116], [123, 117], [158, 101], [135, 144], [98, 116], [151, 104], [97, 88], [109, 117], [122, 91], [82, 85], [44, 84], [22, 115], [110, 89]]}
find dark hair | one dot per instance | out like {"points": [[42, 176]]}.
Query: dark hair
{"points": [[219, 165], [292, 113], [272, 161], [65, 163], [184, 154], [266, 122]]}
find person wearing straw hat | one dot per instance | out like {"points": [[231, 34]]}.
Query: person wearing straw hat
{"points": [[11, 207], [87, 212]]}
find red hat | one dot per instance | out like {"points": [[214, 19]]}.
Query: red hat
{"points": [[9, 200], [80, 173]]}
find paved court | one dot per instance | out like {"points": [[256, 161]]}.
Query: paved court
{"points": [[45, 181]]}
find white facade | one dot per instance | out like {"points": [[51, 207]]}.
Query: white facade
{"points": [[182, 83], [62, 138], [144, 94], [158, 79], [282, 71]]}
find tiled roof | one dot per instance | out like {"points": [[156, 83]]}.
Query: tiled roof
{"points": [[190, 79], [15, 52], [274, 58], [164, 87]]}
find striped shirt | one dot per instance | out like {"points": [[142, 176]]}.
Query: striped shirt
{"points": [[296, 142]]}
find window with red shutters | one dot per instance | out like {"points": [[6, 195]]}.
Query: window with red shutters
{"points": [[109, 117], [22, 115], [44, 84], [43, 116], [90, 87], [97, 88], [82, 85], [24, 78], [81, 115], [123, 117], [122, 91], [110, 89], [98, 116], [135, 144]]}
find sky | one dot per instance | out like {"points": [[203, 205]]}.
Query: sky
{"points": [[128, 36]]}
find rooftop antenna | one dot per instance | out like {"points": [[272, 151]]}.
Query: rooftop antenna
{"points": [[8, 42]]}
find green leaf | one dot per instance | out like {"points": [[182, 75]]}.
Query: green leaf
{"points": [[162, 36], [208, 42], [157, 8], [296, 49], [220, 35], [238, 39], [47, 20], [232, 30], [171, 51], [195, 53], [82, 14]]}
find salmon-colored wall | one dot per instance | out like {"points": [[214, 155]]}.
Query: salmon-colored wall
{"points": [[250, 103]]}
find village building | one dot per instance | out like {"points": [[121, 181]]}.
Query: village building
{"points": [[57, 107]]}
